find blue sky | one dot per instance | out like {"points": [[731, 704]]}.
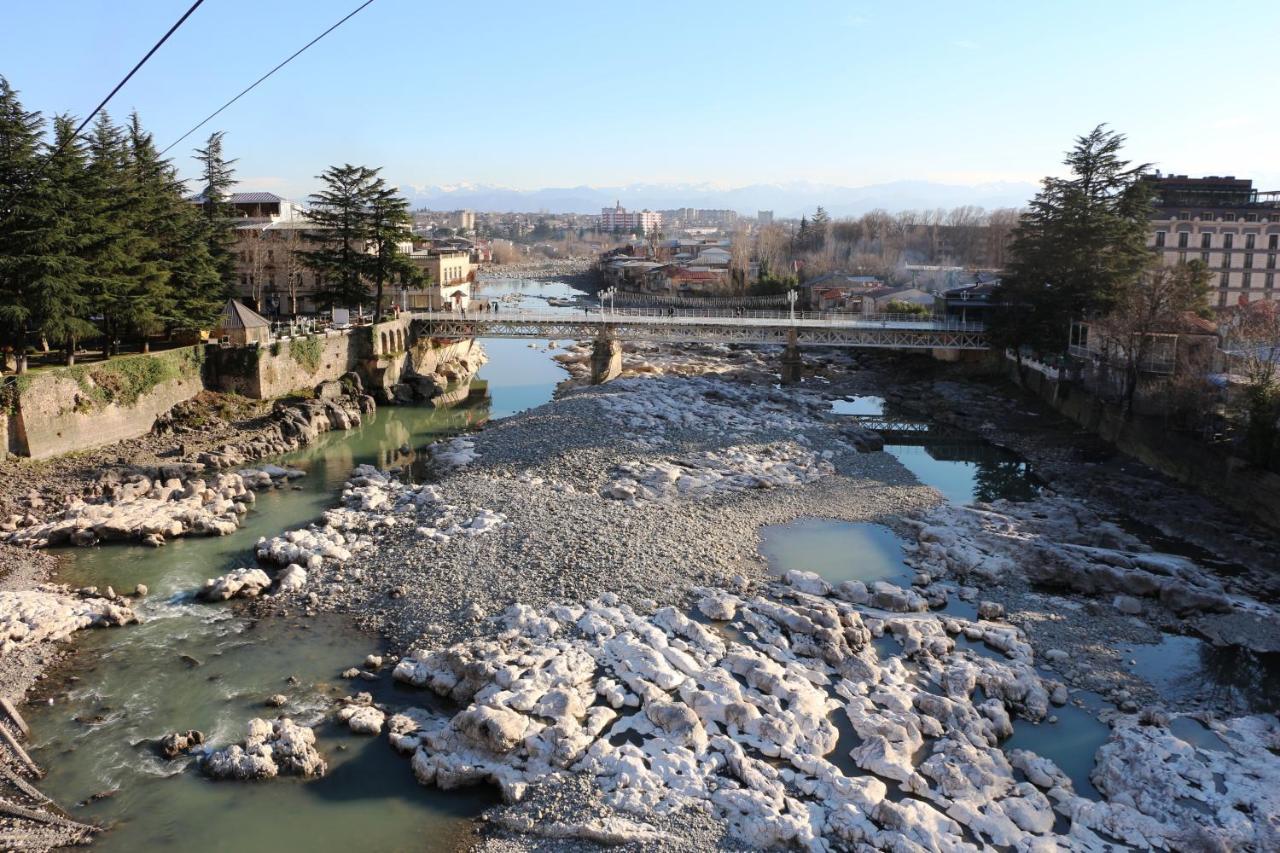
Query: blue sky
{"points": [[535, 94]]}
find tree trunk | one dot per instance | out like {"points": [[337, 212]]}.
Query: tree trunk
{"points": [[71, 352], [21, 363], [146, 344]]}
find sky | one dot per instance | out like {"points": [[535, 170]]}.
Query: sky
{"points": [[557, 94]]}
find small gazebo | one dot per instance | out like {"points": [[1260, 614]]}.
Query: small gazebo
{"points": [[240, 325]]}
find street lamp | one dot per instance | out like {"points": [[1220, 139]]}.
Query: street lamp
{"points": [[607, 293], [792, 295]]}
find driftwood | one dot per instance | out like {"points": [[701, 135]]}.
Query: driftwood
{"points": [[20, 752], [15, 810], [8, 708]]}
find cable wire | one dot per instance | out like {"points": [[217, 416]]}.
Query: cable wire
{"points": [[255, 83], [118, 87]]}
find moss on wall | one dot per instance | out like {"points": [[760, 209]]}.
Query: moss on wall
{"points": [[307, 352]]}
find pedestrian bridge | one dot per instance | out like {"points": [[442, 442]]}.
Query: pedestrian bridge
{"points": [[884, 331]]}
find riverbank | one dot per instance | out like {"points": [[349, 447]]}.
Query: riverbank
{"points": [[28, 819]]}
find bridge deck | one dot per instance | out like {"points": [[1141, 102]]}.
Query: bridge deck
{"points": [[886, 331]]}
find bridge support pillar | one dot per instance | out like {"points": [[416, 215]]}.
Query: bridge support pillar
{"points": [[792, 363], [606, 359]]}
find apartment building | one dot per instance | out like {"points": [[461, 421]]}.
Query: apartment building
{"points": [[1225, 223], [617, 218]]}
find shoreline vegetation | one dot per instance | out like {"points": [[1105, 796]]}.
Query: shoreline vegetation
{"points": [[582, 586]]}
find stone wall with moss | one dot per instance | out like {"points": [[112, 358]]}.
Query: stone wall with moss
{"points": [[58, 410], [284, 367]]}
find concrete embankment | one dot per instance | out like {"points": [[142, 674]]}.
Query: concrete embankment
{"points": [[1252, 491]]}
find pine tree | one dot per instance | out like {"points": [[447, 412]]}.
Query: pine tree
{"points": [[340, 212], [217, 177], [20, 221], [1079, 246]]}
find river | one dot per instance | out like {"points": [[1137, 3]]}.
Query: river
{"points": [[200, 666]]}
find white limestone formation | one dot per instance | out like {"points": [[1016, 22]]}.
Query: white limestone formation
{"points": [[51, 613], [272, 748], [148, 510]]}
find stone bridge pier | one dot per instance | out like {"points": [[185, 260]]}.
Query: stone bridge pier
{"points": [[792, 363], [606, 357]]}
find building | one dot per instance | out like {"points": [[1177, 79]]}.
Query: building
{"points": [[764, 217], [973, 303], [839, 291], [617, 218], [461, 220], [259, 207], [449, 272], [1224, 222], [1184, 347], [685, 281], [239, 325]]}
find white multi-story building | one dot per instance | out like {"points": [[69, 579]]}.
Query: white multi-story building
{"points": [[1228, 225], [617, 218]]}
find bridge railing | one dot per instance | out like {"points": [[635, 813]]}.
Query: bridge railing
{"points": [[770, 318]]}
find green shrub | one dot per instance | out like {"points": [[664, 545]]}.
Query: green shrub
{"points": [[307, 352]]}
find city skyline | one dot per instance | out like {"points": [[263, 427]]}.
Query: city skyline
{"points": [[848, 95]]}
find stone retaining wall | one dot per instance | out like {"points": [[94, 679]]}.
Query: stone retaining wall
{"points": [[286, 366], [90, 405], [1245, 488]]}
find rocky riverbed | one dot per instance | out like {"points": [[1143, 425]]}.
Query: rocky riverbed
{"points": [[579, 599], [575, 638]]}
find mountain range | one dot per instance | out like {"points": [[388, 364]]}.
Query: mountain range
{"points": [[785, 200]]}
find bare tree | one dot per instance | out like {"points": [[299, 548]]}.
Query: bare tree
{"points": [[290, 240], [1144, 313], [1251, 338]]}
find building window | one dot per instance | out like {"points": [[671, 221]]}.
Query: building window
{"points": [[1184, 215], [1271, 262], [1251, 217], [1273, 242], [1204, 258], [1275, 217], [1249, 240], [1270, 281], [1245, 280], [1207, 216], [1228, 217], [1182, 257], [1226, 260], [1182, 240], [1228, 241], [1248, 262], [1206, 240], [1225, 281], [1159, 239], [1222, 300]]}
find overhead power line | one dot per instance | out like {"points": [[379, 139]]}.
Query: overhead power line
{"points": [[119, 86], [255, 83]]}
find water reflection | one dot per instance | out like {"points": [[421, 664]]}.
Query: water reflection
{"points": [[962, 466], [1185, 668], [836, 550]]}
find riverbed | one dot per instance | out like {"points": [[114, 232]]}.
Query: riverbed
{"points": [[201, 666], [197, 666]]}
